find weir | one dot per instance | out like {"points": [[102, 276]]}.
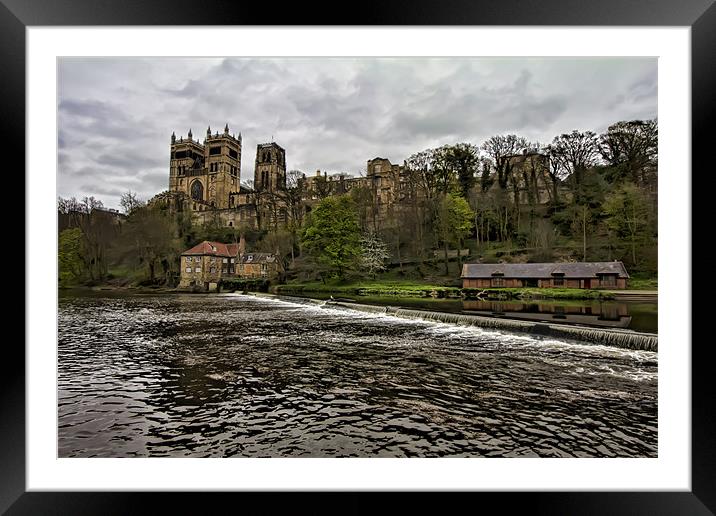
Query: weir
{"points": [[609, 337]]}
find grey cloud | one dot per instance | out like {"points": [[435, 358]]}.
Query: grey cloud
{"points": [[116, 114]]}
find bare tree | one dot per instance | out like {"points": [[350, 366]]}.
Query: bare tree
{"points": [[130, 202], [572, 153], [632, 149]]}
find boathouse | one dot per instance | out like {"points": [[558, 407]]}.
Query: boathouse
{"points": [[546, 275]]}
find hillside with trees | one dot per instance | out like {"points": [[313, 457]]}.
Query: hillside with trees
{"points": [[582, 197]]}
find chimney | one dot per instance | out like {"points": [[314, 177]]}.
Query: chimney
{"points": [[242, 245]]}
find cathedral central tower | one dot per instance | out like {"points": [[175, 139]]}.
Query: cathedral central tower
{"points": [[270, 168]]}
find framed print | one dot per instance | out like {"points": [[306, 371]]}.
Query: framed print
{"points": [[417, 253]]}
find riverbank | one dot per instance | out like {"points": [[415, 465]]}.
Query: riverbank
{"points": [[412, 289]]}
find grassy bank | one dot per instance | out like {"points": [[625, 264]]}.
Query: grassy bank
{"points": [[416, 289], [370, 288]]}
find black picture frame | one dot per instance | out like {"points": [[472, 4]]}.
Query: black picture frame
{"points": [[700, 15]]}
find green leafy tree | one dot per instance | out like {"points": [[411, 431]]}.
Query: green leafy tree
{"points": [[332, 234], [454, 223], [628, 215], [69, 254], [465, 160]]}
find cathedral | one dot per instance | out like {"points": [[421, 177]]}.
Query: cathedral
{"points": [[206, 176]]}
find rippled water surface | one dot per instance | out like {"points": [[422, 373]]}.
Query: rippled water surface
{"points": [[230, 375]]}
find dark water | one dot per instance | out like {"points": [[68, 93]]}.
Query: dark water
{"points": [[633, 315], [229, 375]]}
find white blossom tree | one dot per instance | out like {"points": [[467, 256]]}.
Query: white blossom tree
{"points": [[374, 253]]}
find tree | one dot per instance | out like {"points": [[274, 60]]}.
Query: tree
{"points": [[148, 239], [628, 214], [332, 234], [69, 256], [631, 150], [130, 202], [572, 154], [464, 159], [453, 224], [499, 149], [373, 254]]}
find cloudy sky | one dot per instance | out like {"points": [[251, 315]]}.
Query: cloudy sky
{"points": [[116, 115]]}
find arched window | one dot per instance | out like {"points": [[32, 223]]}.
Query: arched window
{"points": [[197, 191]]}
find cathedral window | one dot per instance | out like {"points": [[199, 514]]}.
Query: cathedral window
{"points": [[197, 191]]}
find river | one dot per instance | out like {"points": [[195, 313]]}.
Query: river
{"points": [[227, 375]]}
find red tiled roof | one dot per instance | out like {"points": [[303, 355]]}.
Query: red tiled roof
{"points": [[213, 249]]}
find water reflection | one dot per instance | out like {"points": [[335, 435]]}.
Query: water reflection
{"points": [[605, 314], [635, 315]]}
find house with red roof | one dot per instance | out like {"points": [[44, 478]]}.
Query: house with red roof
{"points": [[206, 264]]}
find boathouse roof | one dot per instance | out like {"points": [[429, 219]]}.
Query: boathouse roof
{"points": [[543, 270]]}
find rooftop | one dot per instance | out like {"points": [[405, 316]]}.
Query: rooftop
{"points": [[213, 249], [543, 270]]}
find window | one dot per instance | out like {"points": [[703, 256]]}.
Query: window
{"points": [[608, 280], [225, 260], [197, 269], [197, 258], [213, 259], [188, 259], [223, 269], [497, 281], [558, 281], [188, 269], [197, 191], [212, 269], [231, 260]]}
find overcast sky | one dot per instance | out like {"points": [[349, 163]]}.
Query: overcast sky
{"points": [[116, 115]]}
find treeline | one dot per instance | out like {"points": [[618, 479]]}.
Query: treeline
{"points": [[584, 196]]}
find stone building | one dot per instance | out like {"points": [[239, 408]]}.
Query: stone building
{"points": [[258, 265], [205, 265], [205, 178], [206, 173]]}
